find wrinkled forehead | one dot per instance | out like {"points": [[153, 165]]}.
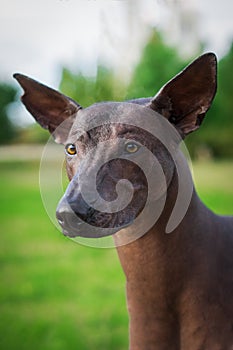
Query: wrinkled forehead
{"points": [[117, 113], [102, 114]]}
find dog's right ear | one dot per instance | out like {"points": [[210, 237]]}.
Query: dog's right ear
{"points": [[186, 98], [49, 107]]}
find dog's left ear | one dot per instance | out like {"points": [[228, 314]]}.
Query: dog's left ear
{"points": [[49, 107], [185, 99]]}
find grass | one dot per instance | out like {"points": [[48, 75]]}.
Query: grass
{"points": [[213, 182], [56, 294]]}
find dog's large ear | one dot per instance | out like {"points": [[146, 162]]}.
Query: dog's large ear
{"points": [[49, 107], [185, 99]]}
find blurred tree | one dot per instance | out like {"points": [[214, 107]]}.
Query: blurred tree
{"points": [[7, 129], [158, 64], [77, 86], [88, 90], [225, 81], [216, 134]]}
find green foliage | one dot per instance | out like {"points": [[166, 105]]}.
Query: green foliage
{"points": [[88, 90], [7, 129], [158, 64], [78, 87], [216, 133], [225, 91]]}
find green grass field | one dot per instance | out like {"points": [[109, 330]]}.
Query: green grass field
{"points": [[56, 294]]}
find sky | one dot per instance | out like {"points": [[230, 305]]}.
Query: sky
{"points": [[38, 37]]}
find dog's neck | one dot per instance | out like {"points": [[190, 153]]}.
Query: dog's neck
{"points": [[156, 266]]}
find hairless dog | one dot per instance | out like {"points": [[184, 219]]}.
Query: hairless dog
{"points": [[179, 285]]}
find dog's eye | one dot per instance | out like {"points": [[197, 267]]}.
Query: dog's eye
{"points": [[131, 147], [70, 149]]}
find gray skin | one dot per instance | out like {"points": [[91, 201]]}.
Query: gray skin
{"points": [[179, 286]]}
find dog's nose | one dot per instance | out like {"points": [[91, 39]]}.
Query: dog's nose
{"points": [[63, 212], [69, 218], [60, 215], [67, 211]]}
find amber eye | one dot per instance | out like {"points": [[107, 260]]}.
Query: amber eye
{"points": [[71, 149], [131, 147]]}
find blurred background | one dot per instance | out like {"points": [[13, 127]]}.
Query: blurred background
{"points": [[56, 294]]}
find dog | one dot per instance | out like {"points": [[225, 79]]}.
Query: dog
{"points": [[179, 285]]}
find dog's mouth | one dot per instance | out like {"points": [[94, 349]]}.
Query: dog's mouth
{"points": [[98, 225], [74, 232], [81, 230]]}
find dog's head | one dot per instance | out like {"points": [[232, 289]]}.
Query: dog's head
{"points": [[109, 146]]}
